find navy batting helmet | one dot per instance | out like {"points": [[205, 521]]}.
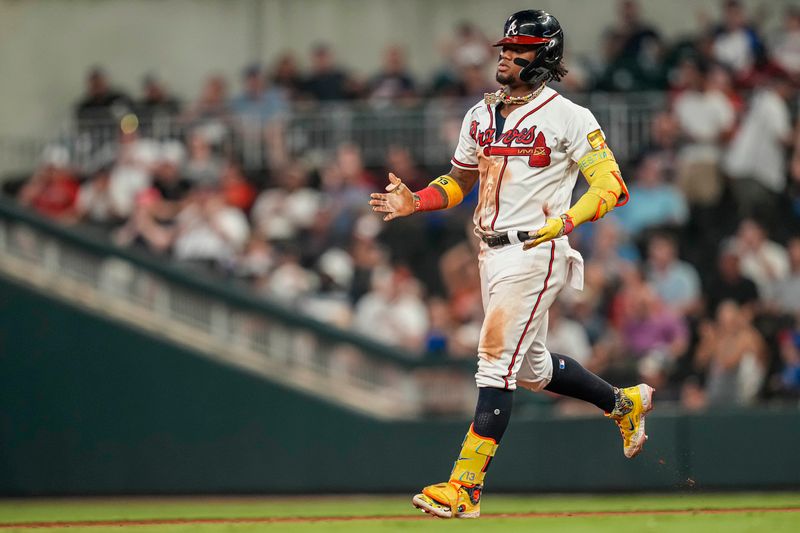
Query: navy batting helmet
{"points": [[534, 27]]}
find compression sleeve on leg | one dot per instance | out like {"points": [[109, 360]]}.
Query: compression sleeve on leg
{"points": [[571, 379]]}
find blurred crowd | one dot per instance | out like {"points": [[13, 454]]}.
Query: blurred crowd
{"points": [[694, 286]]}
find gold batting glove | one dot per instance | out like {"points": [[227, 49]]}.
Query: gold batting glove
{"points": [[553, 228]]}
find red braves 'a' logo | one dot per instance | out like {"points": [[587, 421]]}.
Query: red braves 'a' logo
{"points": [[538, 154]]}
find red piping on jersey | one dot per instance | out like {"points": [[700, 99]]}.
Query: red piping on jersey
{"points": [[465, 165], [534, 110], [491, 125], [497, 192], [535, 306], [497, 150]]}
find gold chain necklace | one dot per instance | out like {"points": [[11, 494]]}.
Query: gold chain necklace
{"points": [[501, 96]]}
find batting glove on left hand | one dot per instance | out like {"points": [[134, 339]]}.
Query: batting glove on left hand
{"points": [[553, 228]]}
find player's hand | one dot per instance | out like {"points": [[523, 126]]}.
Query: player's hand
{"points": [[398, 201], [552, 229]]}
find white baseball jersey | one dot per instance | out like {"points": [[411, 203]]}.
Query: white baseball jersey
{"points": [[529, 168], [527, 172]]}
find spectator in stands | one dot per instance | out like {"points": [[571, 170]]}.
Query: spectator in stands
{"points": [[731, 352], [286, 76], [633, 53], [393, 311], [260, 112], [756, 158], [209, 231], [102, 106], [210, 112], [609, 249], [765, 262], [475, 81], [143, 227], [400, 161], [785, 50], [288, 211], [258, 103], [237, 191], [789, 346], [649, 328], [257, 259], [665, 132], [728, 283], [157, 109], [203, 166], [367, 258], [53, 189], [441, 325], [327, 82], [676, 282], [132, 171], [636, 35], [706, 117], [345, 180], [289, 282], [787, 291], [468, 47], [168, 178], [394, 81], [567, 336], [657, 203], [95, 204], [736, 43], [329, 302]]}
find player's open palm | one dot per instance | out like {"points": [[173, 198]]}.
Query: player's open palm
{"points": [[397, 201]]}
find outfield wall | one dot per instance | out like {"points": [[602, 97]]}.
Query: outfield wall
{"points": [[88, 406]]}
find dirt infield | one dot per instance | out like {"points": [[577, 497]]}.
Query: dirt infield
{"points": [[277, 520]]}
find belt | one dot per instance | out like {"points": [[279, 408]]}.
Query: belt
{"points": [[501, 239]]}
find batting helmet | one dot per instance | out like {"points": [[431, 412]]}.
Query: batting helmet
{"points": [[534, 27]]}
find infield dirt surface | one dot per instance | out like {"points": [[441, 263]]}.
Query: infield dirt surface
{"points": [[745, 512]]}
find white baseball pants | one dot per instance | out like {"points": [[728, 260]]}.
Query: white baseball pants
{"points": [[518, 287]]}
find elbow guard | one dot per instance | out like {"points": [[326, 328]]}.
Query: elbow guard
{"points": [[605, 181]]}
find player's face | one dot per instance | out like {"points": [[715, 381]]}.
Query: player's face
{"points": [[507, 70]]}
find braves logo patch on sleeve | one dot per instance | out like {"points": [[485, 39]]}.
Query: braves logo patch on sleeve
{"points": [[596, 139]]}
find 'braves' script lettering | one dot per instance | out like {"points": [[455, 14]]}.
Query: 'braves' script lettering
{"points": [[538, 154], [514, 135]]}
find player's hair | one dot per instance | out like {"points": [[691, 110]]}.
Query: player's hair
{"points": [[559, 72]]}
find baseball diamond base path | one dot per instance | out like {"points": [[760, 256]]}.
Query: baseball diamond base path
{"points": [[775, 512], [290, 519]]}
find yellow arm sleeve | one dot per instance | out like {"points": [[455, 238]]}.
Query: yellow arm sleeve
{"points": [[606, 188]]}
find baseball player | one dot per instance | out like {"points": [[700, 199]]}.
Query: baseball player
{"points": [[524, 145]]}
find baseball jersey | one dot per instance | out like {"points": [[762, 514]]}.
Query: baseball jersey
{"points": [[527, 170]]}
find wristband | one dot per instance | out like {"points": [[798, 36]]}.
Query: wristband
{"points": [[429, 199], [569, 225]]}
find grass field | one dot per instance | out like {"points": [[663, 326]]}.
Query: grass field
{"points": [[748, 512]]}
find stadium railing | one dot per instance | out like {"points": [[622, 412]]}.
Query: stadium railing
{"points": [[227, 323], [428, 129]]}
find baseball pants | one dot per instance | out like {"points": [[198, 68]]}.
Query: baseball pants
{"points": [[518, 288]]}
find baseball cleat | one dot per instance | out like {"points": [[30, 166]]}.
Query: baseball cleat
{"points": [[440, 500], [633, 404]]}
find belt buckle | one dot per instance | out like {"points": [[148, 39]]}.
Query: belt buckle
{"points": [[494, 241]]}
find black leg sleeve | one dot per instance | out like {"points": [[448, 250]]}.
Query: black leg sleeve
{"points": [[493, 412], [571, 379]]}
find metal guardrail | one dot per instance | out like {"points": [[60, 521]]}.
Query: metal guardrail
{"points": [[429, 130], [227, 324]]}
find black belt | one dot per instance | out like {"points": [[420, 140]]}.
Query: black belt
{"points": [[495, 241]]}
